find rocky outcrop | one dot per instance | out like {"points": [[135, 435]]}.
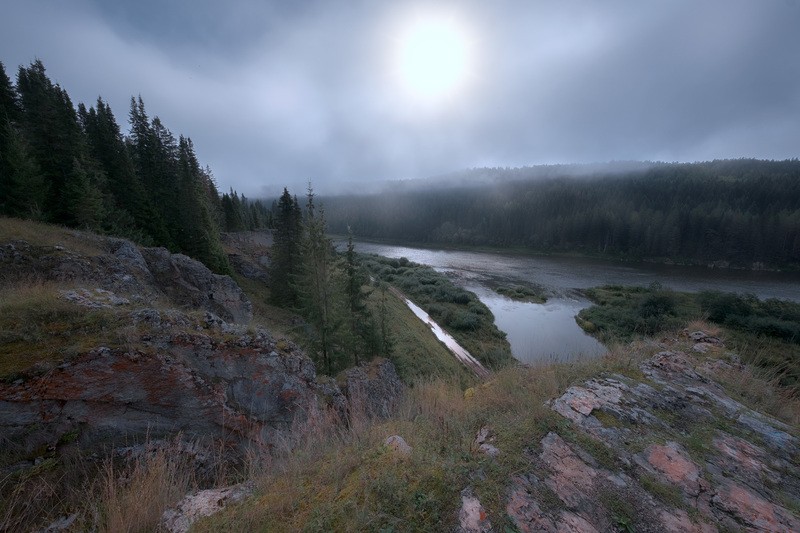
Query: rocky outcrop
{"points": [[372, 389], [189, 283], [179, 519], [194, 380], [670, 452], [119, 266]]}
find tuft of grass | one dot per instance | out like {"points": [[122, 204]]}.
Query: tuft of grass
{"points": [[135, 496], [669, 494], [522, 293]]}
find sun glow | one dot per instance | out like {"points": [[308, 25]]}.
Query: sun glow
{"points": [[433, 58]]}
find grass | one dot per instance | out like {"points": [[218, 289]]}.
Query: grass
{"points": [[110, 496], [41, 234], [417, 353], [458, 311], [522, 293], [765, 332], [38, 329], [344, 479]]}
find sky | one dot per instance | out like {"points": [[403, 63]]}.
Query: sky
{"points": [[280, 93]]}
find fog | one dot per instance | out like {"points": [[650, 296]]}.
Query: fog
{"points": [[282, 93]]}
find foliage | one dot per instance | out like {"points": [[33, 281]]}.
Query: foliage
{"points": [[457, 310], [74, 167], [767, 331]]}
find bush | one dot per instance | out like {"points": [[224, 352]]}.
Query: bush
{"points": [[656, 305]]}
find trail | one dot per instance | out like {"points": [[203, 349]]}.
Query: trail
{"points": [[456, 349]]}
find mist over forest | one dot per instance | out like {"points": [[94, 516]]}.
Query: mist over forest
{"points": [[741, 213]]}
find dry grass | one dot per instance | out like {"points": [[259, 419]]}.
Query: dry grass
{"points": [[135, 496], [342, 477], [41, 234], [111, 496]]}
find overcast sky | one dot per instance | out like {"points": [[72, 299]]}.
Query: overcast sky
{"points": [[277, 93]]}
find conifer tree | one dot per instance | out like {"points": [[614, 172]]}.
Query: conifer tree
{"points": [[50, 125], [319, 287], [285, 251], [360, 327]]}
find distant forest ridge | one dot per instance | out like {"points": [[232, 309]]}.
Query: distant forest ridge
{"points": [[74, 167], [739, 213]]}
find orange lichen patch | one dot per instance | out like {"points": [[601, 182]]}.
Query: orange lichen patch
{"points": [[743, 453], [572, 479], [753, 510], [675, 465]]}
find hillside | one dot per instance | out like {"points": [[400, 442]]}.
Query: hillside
{"points": [[138, 388], [106, 347]]}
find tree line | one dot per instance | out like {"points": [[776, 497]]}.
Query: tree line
{"points": [[742, 212], [73, 166]]}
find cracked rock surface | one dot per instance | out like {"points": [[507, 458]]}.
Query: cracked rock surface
{"points": [[667, 451]]}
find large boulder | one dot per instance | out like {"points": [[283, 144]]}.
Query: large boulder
{"points": [[372, 389], [188, 282]]}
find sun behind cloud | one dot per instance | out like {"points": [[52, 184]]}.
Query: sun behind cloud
{"points": [[433, 57]]}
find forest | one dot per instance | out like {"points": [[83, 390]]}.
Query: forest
{"points": [[74, 167], [740, 213]]}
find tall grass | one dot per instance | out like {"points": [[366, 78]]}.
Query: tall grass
{"points": [[134, 496]]}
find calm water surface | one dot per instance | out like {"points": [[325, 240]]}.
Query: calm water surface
{"points": [[548, 331]]}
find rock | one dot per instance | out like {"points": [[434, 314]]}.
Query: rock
{"points": [[398, 446], [93, 299], [372, 389], [665, 437], [188, 282], [472, 517], [701, 347], [703, 337], [191, 384], [191, 508], [752, 510], [483, 442], [63, 523], [673, 463]]}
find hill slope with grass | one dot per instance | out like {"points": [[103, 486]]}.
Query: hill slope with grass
{"points": [[139, 390], [105, 346], [653, 437]]}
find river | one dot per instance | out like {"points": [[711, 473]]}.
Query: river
{"points": [[548, 331]]}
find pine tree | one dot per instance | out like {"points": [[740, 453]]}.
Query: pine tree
{"points": [[319, 288], [198, 234], [22, 187], [285, 251], [359, 321]]}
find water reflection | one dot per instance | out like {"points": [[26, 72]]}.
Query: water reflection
{"points": [[541, 332]]}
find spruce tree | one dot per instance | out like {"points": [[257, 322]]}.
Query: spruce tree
{"points": [[285, 251], [320, 290]]}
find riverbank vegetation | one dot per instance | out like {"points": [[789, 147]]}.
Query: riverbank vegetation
{"points": [[737, 213], [765, 332], [457, 310], [522, 293]]}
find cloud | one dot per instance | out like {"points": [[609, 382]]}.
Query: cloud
{"points": [[277, 93]]}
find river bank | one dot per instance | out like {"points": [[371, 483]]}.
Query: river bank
{"points": [[543, 332]]}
